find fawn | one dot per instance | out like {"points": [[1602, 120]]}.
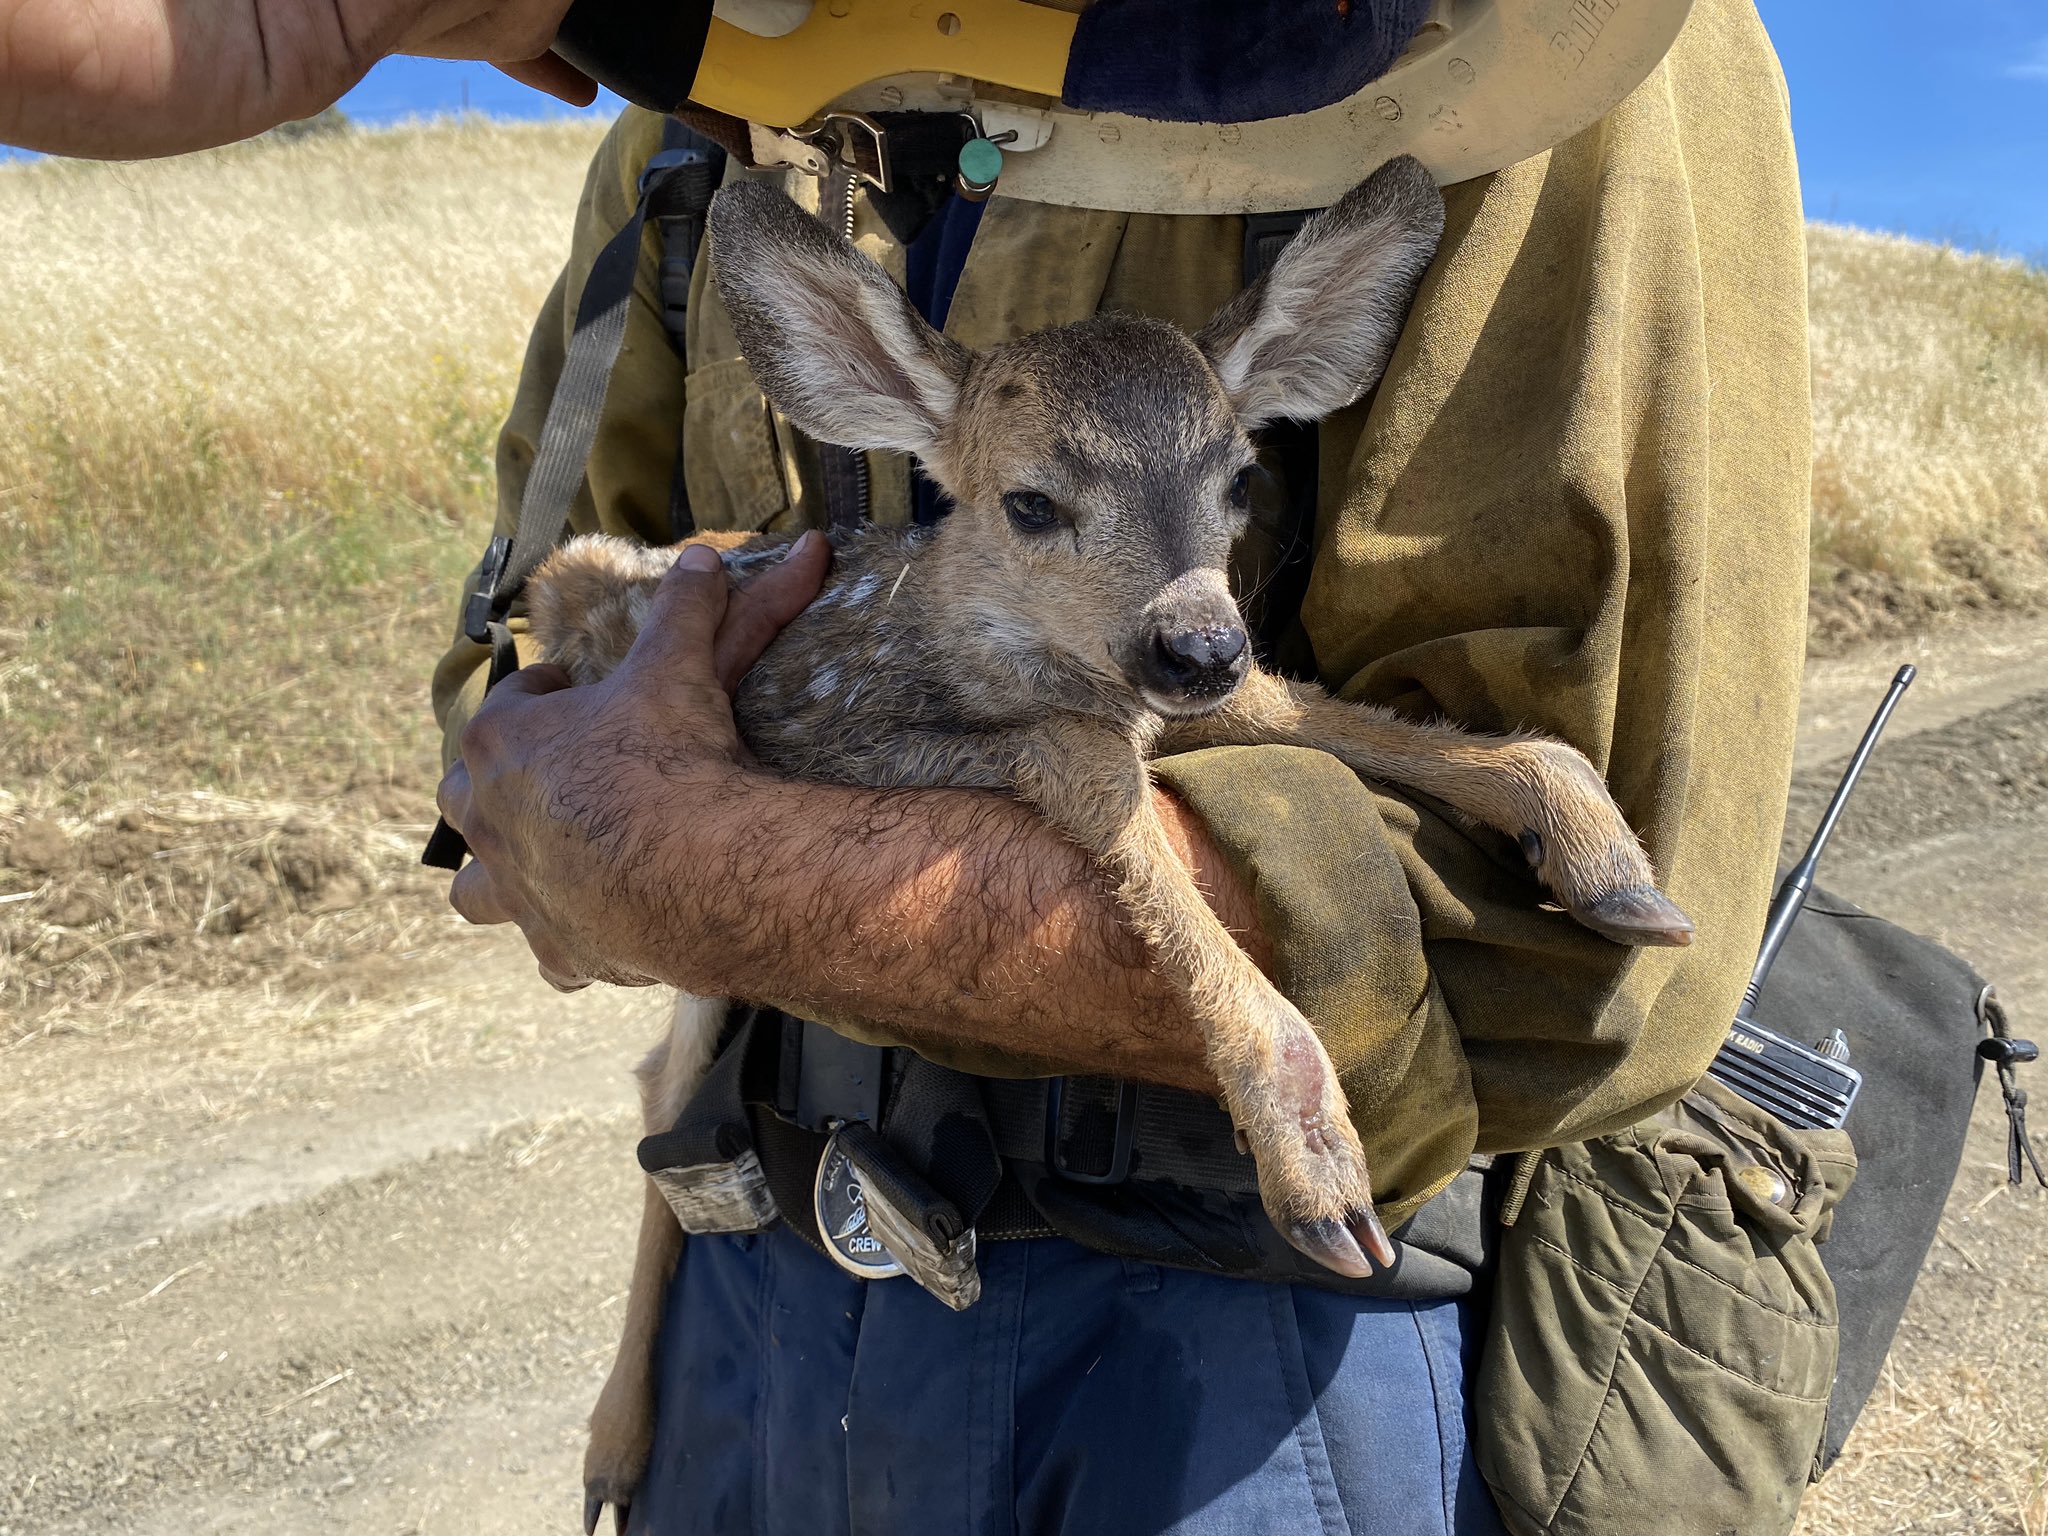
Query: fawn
{"points": [[1068, 620]]}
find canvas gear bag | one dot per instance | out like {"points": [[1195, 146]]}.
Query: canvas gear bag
{"points": [[1689, 1315]]}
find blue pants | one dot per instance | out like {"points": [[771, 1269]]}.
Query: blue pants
{"points": [[1082, 1396]]}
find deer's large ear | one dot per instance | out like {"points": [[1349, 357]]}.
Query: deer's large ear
{"points": [[835, 344], [1315, 332]]}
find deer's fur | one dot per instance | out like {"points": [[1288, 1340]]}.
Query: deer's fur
{"points": [[1052, 661]]}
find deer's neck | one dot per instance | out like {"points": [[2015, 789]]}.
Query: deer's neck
{"points": [[1002, 659]]}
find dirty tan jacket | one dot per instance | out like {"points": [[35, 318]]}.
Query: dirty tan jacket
{"points": [[1576, 503]]}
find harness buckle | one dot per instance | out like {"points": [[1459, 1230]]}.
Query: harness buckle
{"points": [[662, 161], [854, 141], [1122, 1134], [483, 608]]}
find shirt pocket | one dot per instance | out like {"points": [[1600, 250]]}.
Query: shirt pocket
{"points": [[732, 466]]}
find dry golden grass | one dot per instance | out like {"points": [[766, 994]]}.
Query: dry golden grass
{"points": [[1930, 475], [331, 319], [245, 451]]}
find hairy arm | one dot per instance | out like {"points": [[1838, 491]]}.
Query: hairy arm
{"points": [[623, 828], [127, 79], [956, 921]]}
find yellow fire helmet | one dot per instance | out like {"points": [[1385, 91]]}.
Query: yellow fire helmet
{"points": [[1154, 106]]}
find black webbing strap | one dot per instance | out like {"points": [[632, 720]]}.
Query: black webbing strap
{"points": [[578, 403], [713, 1126], [680, 203], [445, 846], [935, 1137], [675, 186], [1265, 237], [843, 475], [936, 1121], [1292, 449], [1159, 1135]]}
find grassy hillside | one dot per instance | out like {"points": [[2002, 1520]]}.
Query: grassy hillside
{"points": [[245, 443], [1930, 416]]}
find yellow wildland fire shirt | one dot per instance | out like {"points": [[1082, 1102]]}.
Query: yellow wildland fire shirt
{"points": [[1576, 503]]}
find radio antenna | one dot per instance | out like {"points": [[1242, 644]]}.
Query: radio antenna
{"points": [[1791, 897]]}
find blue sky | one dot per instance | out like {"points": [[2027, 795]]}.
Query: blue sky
{"points": [[400, 88], [1930, 123]]}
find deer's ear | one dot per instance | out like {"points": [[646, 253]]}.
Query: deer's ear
{"points": [[1315, 332], [835, 344]]}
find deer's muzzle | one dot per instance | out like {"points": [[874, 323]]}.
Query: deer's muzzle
{"points": [[1194, 669]]}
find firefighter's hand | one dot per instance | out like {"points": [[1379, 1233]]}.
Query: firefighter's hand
{"points": [[561, 791], [128, 79]]}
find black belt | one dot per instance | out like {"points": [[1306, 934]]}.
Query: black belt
{"points": [[1134, 1170]]}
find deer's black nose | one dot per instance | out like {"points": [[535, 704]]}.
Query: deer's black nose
{"points": [[1195, 658]]}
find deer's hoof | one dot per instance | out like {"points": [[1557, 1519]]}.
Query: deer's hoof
{"points": [[596, 1494], [1643, 917], [1343, 1244]]}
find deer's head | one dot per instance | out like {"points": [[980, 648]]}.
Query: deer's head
{"points": [[1100, 471]]}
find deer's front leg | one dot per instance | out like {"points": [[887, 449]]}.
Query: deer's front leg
{"points": [[1540, 792], [1278, 1083]]}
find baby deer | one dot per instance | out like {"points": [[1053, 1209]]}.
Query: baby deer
{"points": [[1069, 620]]}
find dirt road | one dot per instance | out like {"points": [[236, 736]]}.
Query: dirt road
{"points": [[265, 1275]]}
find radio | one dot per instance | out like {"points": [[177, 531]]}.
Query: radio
{"points": [[1810, 1087]]}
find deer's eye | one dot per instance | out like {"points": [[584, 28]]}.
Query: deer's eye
{"points": [[1031, 511], [1241, 488]]}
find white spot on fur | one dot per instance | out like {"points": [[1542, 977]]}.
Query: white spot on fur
{"points": [[824, 683], [863, 589]]}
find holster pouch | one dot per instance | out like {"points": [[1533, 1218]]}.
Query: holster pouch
{"points": [[723, 1196], [706, 1166], [1664, 1334]]}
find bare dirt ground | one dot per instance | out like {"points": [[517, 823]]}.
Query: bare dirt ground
{"points": [[269, 1269]]}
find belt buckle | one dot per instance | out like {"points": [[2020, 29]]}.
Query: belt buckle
{"points": [[872, 1236], [1121, 1139]]}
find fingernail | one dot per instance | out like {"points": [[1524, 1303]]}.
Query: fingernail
{"points": [[699, 557], [803, 544]]}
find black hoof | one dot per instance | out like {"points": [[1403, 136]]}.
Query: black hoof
{"points": [[1372, 1237], [1644, 917], [1343, 1246], [595, 1497]]}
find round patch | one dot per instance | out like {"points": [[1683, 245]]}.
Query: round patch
{"points": [[842, 1214]]}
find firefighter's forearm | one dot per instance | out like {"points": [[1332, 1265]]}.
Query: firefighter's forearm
{"points": [[954, 921], [623, 828], [127, 79]]}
